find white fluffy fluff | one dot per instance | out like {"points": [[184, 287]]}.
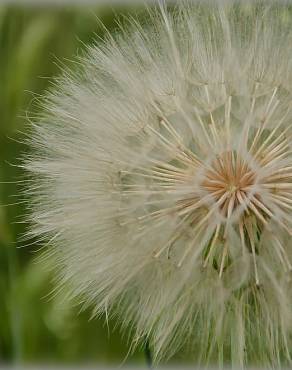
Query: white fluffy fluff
{"points": [[162, 180]]}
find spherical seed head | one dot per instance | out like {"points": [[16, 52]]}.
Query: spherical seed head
{"points": [[163, 181]]}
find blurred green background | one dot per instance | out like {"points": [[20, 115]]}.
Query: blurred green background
{"points": [[35, 327]]}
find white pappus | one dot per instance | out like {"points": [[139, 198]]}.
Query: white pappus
{"points": [[161, 176]]}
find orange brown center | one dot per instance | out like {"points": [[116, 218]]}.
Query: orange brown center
{"points": [[229, 181]]}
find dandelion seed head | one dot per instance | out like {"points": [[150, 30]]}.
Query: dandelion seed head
{"points": [[162, 181]]}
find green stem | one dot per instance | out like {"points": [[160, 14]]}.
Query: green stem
{"points": [[148, 355]]}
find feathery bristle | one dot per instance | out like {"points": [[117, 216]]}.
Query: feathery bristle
{"points": [[162, 178]]}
